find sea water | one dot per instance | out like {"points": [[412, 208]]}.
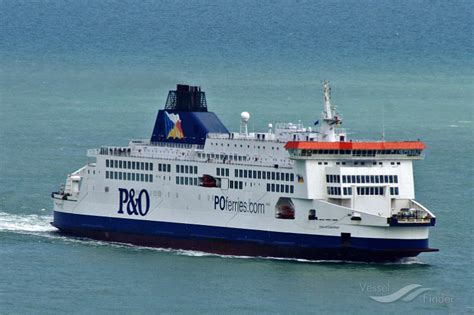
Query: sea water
{"points": [[80, 74]]}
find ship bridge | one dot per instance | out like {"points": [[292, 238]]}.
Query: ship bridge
{"points": [[358, 150]]}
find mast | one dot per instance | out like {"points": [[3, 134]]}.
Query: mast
{"points": [[330, 118]]}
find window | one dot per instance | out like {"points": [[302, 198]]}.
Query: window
{"points": [[268, 186], [106, 163], [146, 166], [106, 174], [195, 169], [395, 179], [241, 173], [151, 166], [116, 163], [218, 171], [177, 168], [236, 173], [227, 172], [291, 189], [129, 175]]}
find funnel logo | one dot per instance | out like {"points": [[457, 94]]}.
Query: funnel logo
{"points": [[173, 127]]}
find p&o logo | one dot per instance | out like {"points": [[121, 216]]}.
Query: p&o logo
{"points": [[135, 205]]}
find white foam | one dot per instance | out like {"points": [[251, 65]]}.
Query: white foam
{"points": [[31, 223]]}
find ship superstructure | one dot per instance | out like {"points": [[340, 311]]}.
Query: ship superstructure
{"points": [[290, 191]]}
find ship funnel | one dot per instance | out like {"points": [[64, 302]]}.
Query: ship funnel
{"points": [[186, 98]]}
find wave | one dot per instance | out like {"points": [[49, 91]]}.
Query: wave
{"points": [[39, 225], [31, 223]]}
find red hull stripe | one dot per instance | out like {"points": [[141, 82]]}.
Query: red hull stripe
{"points": [[314, 145]]}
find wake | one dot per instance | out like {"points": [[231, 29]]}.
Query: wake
{"points": [[25, 224]]}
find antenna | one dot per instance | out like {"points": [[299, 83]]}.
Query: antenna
{"points": [[383, 122]]}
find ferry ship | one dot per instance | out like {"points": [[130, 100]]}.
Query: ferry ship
{"points": [[289, 192]]}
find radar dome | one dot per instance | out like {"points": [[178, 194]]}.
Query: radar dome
{"points": [[245, 116]]}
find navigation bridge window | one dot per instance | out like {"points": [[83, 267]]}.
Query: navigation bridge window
{"points": [[358, 153]]}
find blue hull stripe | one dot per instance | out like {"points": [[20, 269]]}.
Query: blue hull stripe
{"points": [[70, 222]]}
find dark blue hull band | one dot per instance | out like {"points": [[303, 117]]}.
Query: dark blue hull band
{"points": [[233, 241]]}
